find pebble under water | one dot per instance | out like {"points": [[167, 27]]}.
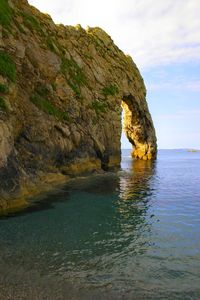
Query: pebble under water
{"points": [[130, 234]]}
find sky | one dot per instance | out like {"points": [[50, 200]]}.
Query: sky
{"points": [[163, 38]]}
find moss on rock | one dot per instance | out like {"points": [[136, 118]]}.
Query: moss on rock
{"points": [[110, 90], [3, 88], [3, 106], [5, 14], [40, 99], [7, 66]]}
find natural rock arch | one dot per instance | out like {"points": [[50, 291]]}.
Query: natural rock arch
{"points": [[60, 107]]}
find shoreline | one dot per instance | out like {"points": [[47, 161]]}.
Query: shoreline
{"points": [[46, 183]]}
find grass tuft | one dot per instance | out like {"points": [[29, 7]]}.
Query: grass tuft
{"points": [[99, 107], [46, 106], [3, 88], [73, 74], [54, 86], [42, 90], [3, 106], [7, 66], [5, 14], [32, 23], [110, 90], [50, 44]]}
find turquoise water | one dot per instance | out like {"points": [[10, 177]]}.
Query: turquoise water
{"points": [[130, 234]]}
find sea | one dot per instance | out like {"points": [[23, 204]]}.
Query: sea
{"points": [[133, 233]]}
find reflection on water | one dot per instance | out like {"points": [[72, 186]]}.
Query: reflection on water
{"points": [[124, 235], [137, 179], [135, 188], [135, 191]]}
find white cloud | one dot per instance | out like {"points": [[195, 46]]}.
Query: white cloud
{"points": [[154, 32]]}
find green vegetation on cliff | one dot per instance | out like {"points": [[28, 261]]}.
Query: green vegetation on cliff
{"points": [[110, 90], [40, 99], [7, 66], [3, 88], [73, 74], [99, 107], [3, 106], [32, 23], [42, 90], [5, 14], [50, 44]]}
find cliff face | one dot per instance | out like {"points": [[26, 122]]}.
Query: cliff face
{"points": [[61, 91]]}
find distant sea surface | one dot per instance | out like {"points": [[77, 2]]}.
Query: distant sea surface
{"points": [[130, 234]]}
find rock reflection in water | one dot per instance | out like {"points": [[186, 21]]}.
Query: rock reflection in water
{"points": [[132, 203], [137, 181], [94, 233]]}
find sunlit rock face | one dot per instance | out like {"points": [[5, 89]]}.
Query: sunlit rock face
{"points": [[61, 90], [139, 128]]}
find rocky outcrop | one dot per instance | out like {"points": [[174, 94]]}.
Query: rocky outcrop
{"points": [[61, 91]]}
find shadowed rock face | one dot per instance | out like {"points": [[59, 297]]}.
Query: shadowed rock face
{"points": [[61, 91]]}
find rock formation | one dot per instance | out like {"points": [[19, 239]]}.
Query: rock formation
{"points": [[62, 89]]}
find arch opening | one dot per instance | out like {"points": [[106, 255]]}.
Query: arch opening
{"points": [[125, 143], [138, 129]]}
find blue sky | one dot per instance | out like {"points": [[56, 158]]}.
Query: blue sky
{"points": [[163, 37]]}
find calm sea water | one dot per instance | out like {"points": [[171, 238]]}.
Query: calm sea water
{"points": [[132, 234]]}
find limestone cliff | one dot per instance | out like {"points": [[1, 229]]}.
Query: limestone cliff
{"points": [[61, 91]]}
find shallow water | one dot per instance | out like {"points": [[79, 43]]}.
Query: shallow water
{"points": [[132, 234]]}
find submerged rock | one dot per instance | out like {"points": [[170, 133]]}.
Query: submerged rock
{"points": [[62, 90]]}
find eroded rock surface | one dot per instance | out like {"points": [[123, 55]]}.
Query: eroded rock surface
{"points": [[61, 90]]}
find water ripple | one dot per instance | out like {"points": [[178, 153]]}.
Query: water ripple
{"points": [[133, 234]]}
